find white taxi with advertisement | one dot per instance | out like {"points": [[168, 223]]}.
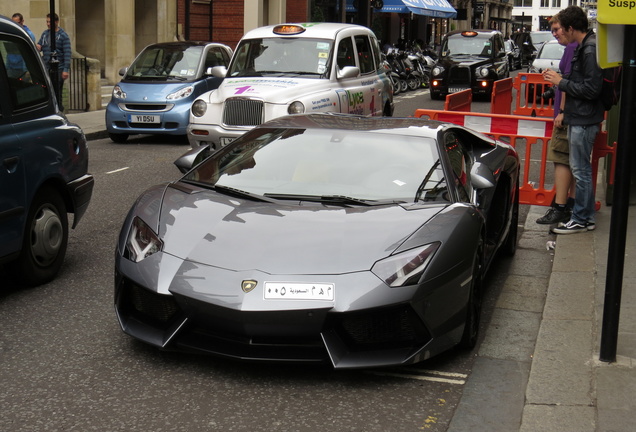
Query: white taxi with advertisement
{"points": [[292, 69]]}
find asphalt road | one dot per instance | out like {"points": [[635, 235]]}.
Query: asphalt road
{"points": [[66, 365]]}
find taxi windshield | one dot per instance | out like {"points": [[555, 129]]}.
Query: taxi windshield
{"points": [[298, 57], [159, 63], [480, 45]]}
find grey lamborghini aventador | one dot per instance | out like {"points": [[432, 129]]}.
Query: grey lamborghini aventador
{"points": [[361, 242]]}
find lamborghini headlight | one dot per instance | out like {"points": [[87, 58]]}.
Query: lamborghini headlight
{"points": [[405, 268], [142, 241], [181, 93]]}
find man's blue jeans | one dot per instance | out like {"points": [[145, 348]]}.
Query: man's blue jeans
{"points": [[581, 140]]}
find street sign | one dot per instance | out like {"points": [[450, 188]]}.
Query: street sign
{"points": [[609, 45], [617, 12]]}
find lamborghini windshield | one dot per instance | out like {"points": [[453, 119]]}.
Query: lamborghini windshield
{"points": [[297, 163]]}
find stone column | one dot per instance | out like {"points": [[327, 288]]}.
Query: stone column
{"points": [[119, 36]]}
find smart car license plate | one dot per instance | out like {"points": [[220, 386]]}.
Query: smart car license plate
{"points": [[456, 89], [299, 291], [144, 118]]}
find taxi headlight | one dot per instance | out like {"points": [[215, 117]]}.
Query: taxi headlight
{"points": [[483, 72], [296, 108], [437, 70], [118, 93], [405, 268], [199, 107], [181, 93]]}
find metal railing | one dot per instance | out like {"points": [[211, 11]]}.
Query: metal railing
{"points": [[78, 85]]}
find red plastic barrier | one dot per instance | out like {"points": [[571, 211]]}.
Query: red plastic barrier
{"points": [[501, 98], [529, 87], [459, 101], [536, 131]]}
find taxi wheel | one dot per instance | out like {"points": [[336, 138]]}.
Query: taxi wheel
{"points": [[45, 239], [118, 138]]}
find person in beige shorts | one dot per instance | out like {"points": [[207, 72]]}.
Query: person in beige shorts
{"points": [[559, 147]]}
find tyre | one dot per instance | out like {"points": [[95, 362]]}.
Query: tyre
{"points": [[413, 82], [396, 85], [509, 245], [473, 307], [436, 96], [404, 86], [118, 138], [45, 239]]}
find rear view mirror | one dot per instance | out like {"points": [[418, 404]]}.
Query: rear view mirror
{"points": [[192, 158]]}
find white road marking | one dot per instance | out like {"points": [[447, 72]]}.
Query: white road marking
{"points": [[118, 170], [438, 378]]}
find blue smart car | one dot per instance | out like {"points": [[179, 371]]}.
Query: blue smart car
{"points": [[157, 90]]}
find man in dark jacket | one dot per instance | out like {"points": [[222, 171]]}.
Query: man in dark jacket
{"points": [[583, 114]]}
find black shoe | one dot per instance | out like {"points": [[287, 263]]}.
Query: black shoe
{"points": [[554, 216], [572, 227]]}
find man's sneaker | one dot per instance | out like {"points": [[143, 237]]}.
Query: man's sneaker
{"points": [[554, 216], [571, 227], [591, 226]]}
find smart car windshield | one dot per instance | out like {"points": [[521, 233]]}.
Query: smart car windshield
{"points": [[480, 45], [166, 63], [282, 57], [304, 163]]}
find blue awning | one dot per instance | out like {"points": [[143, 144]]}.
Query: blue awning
{"points": [[433, 8]]}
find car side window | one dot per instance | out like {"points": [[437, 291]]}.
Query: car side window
{"points": [[345, 53], [27, 83], [216, 57], [365, 55], [460, 165], [375, 46]]}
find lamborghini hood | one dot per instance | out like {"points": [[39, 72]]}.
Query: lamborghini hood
{"points": [[296, 238]]}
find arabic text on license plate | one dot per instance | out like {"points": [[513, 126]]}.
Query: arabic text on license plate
{"points": [[456, 89], [225, 140], [299, 291], [144, 118]]}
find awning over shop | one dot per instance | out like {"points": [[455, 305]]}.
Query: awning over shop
{"points": [[433, 8]]}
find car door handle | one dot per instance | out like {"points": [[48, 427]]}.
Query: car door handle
{"points": [[11, 163]]}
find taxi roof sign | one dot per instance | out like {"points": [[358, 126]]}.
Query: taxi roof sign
{"points": [[616, 12], [469, 33], [288, 29]]}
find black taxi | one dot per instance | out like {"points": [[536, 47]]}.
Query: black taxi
{"points": [[469, 59]]}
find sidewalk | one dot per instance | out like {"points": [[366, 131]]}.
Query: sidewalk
{"points": [[548, 377], [93, 123], [558, 384]]}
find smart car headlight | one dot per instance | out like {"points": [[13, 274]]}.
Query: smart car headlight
{"points": [[296, 108], [437, 70], [142, 241], [199, 107], [483, 72], [405, 268], [118, 93], [181, 93]]}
